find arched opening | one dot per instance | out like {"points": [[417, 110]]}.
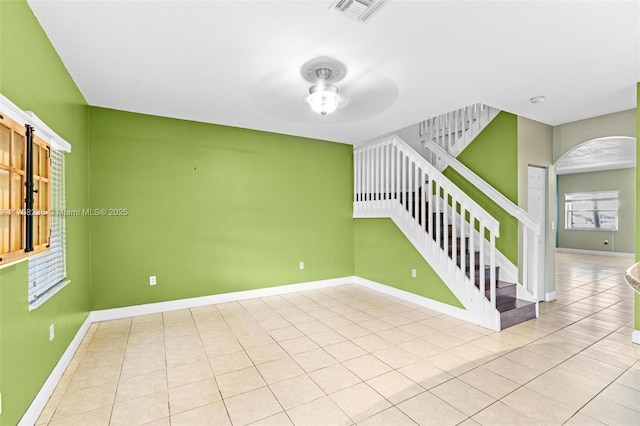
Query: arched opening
{"points": [[596, 189]]}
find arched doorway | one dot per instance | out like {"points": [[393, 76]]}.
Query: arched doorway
{"points": [[596, 189]]}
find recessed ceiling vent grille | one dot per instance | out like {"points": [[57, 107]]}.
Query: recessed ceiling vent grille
{"points": [[359, 10]]}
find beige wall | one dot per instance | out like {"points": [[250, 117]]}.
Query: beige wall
{"points": [[621, 241], [535, 148], [570, 135]]}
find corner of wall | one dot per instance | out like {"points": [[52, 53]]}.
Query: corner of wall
{"points": [[637, 296]]}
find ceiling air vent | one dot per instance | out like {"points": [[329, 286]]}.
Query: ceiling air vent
{"points": [[359, 10]]}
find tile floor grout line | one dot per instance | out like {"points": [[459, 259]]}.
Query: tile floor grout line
{"points": [[557, 365], [375, 307], [261, 376], [215, 380], [115, 396], [166, 363]]}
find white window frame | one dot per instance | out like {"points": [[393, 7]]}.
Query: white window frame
{"points": [[48, 271], [594, 201]]}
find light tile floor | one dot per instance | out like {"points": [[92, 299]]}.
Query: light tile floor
{"points": [[348, 355]]}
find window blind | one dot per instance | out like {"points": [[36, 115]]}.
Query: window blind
{"points": [[592, 210], [47, 270]]}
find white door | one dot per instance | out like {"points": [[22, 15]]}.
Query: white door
{"points": [[537, 206]]}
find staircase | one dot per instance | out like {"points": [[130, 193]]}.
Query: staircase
{"points": [[449, 229]]}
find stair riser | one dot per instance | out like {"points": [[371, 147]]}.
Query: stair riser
{"points": [[509, 291], [517, 316]]}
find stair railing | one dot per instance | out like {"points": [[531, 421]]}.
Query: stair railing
{"points": [[451, 231], [530, 228], [453, 130]]}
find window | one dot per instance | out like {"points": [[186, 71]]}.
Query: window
{"points": [[592, 210], [48, 271], [24, 164], [32, 162]]}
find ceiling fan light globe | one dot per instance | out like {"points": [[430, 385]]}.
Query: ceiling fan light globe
{"points": [[323, 98]]}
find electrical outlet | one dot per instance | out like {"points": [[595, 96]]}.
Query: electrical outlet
{"points": [[152, 280], [52, 332], [301, 266], [413, 273]]}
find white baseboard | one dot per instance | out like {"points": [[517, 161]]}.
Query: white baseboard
{"points": [[595, 252], [173, 305], [414, 298], [30, 416], [551, 295], [635, 337]]}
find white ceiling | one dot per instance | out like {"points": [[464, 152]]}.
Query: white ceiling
{"points": [[238, 62], [599, 154]]}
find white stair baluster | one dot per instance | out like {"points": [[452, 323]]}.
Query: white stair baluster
{"points": [[471, 250], [423, 207], [417, 196], [492, 265], [430, 201], [482, 271], [405, 204], [535, 270], [525, 261], [445, 222]]}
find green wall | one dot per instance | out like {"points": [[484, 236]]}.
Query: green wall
{"points": [[383, 254], [212, 209], [493, 155], [33, 77], [623, 240]]}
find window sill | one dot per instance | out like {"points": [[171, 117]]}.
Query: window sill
{"points": [[48, 295], [591, 229], [14, 262]]}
